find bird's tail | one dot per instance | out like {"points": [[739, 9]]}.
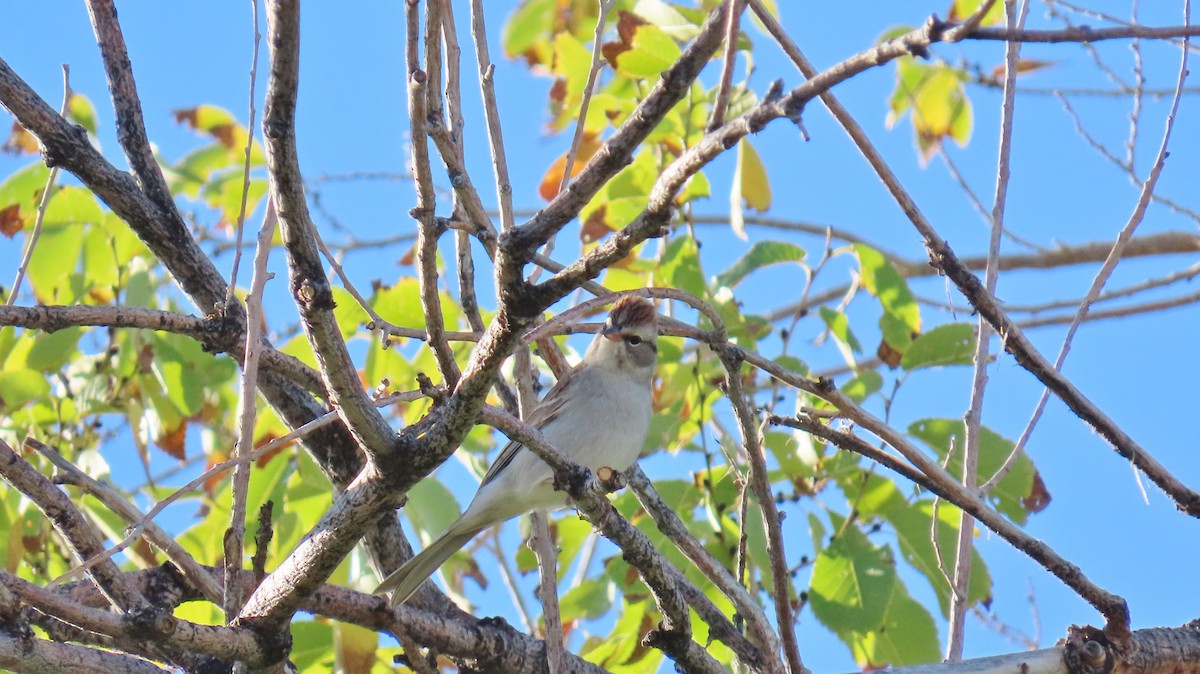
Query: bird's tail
{"points": [[403, 582]]}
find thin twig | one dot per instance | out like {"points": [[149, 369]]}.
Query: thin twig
{"points": [[728, 61], [241, 221], [115, 502], [973, 418], [43, 202], [234, 542], [1110, 263]]}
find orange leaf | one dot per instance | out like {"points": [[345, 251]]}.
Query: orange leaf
{"points": [[172, 442], [20, 141], [627, 23], [890, 356], [212, 483], [595, 228], [1023, 66], [1039, 495], [267, 439], [548, 188], [409, 257], [226, 134], [11, 221]]}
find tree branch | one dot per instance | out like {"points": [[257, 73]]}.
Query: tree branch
{"points": [[309, 285]]}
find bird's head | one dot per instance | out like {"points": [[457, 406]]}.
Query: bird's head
{"points": [[629, 338]]}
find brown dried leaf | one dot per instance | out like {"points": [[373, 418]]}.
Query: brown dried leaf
{"points": [[409, 258], [627, 24], [1039, 496], [20, 141], [888, 355], [595, 228], [187, 116], [1023, 66], [172, 442], [11, 221]]}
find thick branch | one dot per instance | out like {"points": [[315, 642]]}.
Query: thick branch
{"points": [[309, 285], [32, 654]]}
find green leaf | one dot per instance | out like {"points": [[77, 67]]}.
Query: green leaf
{"points": [[907, 636], [20, 192], [1014, 495], [55, 257], [312, 646], [195, 168], [101, 269], [667, 18], [751, 176], [902, 317], [57, 254], [876, 496], [936, 97], [81, 111], [52, 350], [589, 599], [679, 267], [949, 344], [651, 52], [431, 508], [19, 387], [961, 9], [852, 582], [839, 326], [524, 33], [862, 385], [761, 254]]}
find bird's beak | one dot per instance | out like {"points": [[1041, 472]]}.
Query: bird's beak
{"points": [[611, 332]]}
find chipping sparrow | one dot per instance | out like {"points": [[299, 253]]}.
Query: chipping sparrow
{"points": [[597, 415]]}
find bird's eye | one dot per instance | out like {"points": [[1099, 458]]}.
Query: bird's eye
{"points": [[633, 340]]}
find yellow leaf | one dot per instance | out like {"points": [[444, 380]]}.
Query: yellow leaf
{"points": [[750, 186]]}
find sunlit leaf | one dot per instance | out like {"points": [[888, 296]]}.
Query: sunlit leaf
{"points": [[81, 111], [948, 344], [1011, 493], [761, 254], [586, 600], [19, 194], [852, 583], [902, 316], [960, 10], [751, 187], [644, 51], [20, 141], [907, 636], [839, 326], [524, 34], [19, 387]]}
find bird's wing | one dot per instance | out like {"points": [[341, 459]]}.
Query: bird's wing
{"points": [[551, 406]]}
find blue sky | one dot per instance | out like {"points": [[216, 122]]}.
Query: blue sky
{"points": [[1139, 370]]}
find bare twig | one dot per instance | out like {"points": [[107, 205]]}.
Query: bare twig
{"points": [[43, 202], [309, 285], [427, 231], [973, 417], [669, 523], [729, 60], [761, 485], [543, 547], [82, 539], [1110, 263], [115, 502], [256, 318], [241, 221]]}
